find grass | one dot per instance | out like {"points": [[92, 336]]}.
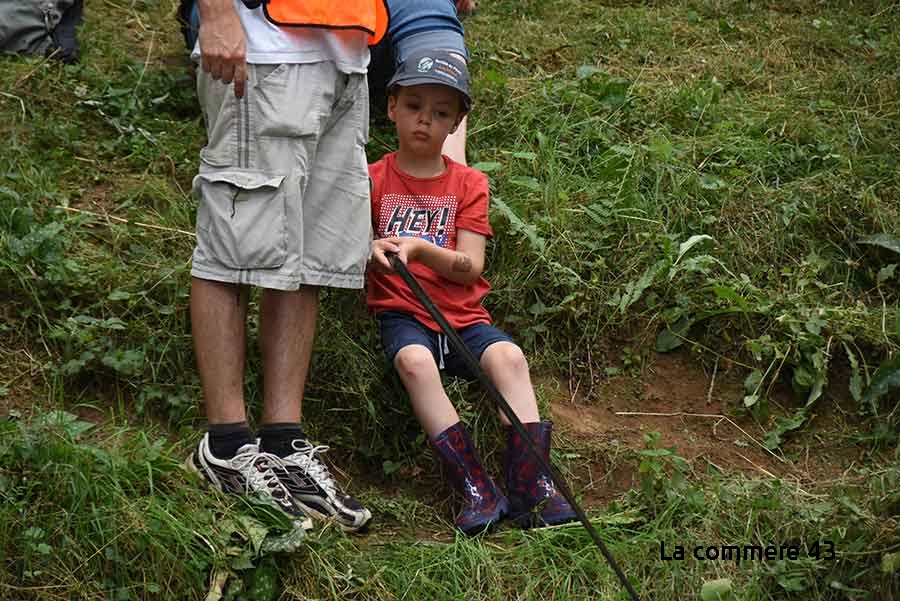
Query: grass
{"points": [[117, 521], [718, 177]]}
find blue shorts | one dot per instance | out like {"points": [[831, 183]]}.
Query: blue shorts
{"points": [[399, 330]]}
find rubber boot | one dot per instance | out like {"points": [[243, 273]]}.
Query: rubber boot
{"points": [[533, 499], [483, 504]]}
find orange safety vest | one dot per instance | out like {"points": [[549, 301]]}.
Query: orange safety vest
{"points": [[370, 16]]}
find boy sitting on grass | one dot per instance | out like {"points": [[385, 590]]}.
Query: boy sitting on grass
{"points": [[433, 213]]}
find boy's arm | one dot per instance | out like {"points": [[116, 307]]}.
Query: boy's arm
{"points": [[463, 265]]}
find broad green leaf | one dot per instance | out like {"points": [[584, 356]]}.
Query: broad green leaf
{"points": [[127, 362], [285, 543], [856, 380], [888, 241], [673, 337], [819, 381], [886, 273], [255, 531], [518, 225], [811, 379], [114, 323], [487, 166], [729, 294], [886, 377], [717, 590], [753, 380], [690, 243], [528, 156], [68, 422], [635, 289], [775, 437], [814, 324], [526, 181]]}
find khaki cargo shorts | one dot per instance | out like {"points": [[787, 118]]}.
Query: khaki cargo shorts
{"points": [[283, 185]]}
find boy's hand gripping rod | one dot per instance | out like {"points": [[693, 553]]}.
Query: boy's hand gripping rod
{"points": [[472, 363]]}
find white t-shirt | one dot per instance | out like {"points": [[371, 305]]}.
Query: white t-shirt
{"points": [[268, 44]]}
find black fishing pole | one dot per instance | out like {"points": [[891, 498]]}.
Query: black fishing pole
{"points": [[473, 365]]}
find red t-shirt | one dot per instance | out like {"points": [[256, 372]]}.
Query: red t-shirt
{"points": [[433, 209]]}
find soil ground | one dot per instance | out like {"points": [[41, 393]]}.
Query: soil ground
{"points": [[699, 414]]}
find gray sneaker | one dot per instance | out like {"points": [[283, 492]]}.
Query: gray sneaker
{"points": [[314, 490], [249, 471]]}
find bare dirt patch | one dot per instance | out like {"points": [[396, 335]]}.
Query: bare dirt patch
{"points": [[697, 413]]}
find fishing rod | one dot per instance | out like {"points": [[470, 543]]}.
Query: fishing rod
{"points": [[474, 367]]}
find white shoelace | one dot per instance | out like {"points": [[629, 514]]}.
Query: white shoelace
{"points": [[306, 459], [265, 480]]}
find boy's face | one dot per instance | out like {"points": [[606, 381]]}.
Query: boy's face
{"points": [[425, 115]]}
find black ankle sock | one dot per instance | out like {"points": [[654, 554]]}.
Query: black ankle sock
{"points": [[278, 438], [226, 439]]}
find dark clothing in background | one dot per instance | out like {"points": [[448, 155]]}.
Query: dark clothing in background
{"points": [[41, 27]]}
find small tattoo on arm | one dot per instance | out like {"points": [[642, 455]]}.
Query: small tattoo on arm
{"points": [[462, 263]]}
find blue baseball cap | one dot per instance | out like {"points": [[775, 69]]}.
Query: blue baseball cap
{"points": [[435, 66]]}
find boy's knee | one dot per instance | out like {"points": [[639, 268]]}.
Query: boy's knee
{"points": [[414, 361], [508, 357]]}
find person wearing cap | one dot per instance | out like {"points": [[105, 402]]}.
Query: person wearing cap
{"points": [[433, 213], [415, 26]]}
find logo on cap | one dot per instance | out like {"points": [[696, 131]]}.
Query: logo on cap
{"points": [[425, 65]]}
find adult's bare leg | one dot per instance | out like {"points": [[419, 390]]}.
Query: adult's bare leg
{"points": [[287, 329], [218, 313], [455, 144]]}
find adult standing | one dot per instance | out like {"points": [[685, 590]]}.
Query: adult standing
{"points": [[283, 206]]}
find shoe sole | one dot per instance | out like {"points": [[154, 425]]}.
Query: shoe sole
{"points": [[529, 521], [488, 525], [363, 527]]}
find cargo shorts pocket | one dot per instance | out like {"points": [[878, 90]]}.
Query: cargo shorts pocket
{"points": [[241, 219]]}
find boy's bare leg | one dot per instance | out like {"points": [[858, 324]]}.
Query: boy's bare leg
{"points": [[287, 329], [506, 366], [419, 374], [455, 144], [218, 311]]}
